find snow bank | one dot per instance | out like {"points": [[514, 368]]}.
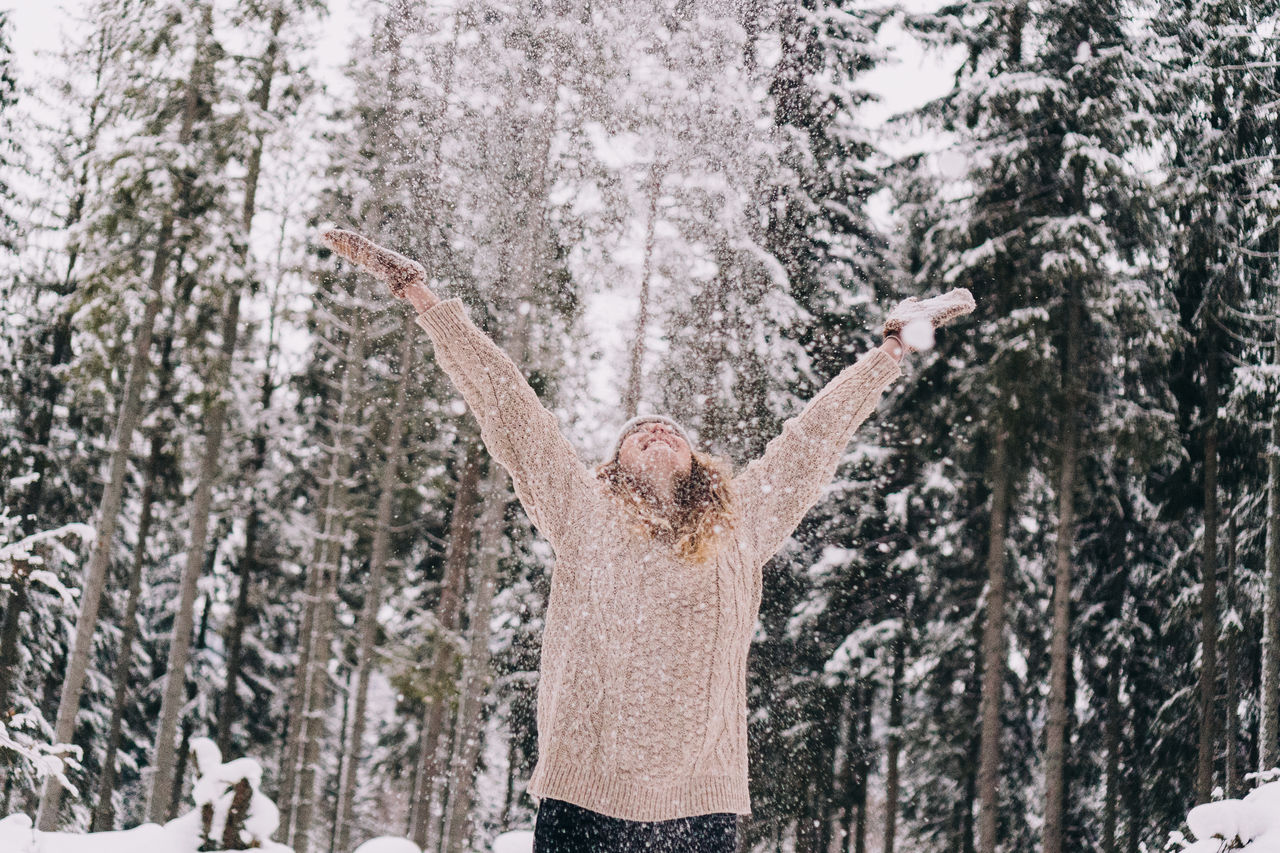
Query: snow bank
{"points": [[388, 844], [514, 842], [1251, 824], [230, 814]]}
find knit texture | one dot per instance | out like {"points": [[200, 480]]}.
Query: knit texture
{"points": [[936, 311], [394, 268], [642, 703], [637, 422]]}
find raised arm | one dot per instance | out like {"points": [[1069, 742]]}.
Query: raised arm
{"points": [[776, 490], [549, 478]]}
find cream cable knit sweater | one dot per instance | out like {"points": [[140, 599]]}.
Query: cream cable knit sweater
{"points": [[642, 705]]}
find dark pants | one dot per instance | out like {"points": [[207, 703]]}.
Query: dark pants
{"points": [[565, 828]]}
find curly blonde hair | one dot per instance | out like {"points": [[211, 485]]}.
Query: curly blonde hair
{"points": [[704, 505]]}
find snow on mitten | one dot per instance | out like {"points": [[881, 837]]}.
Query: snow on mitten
{"points": [[392, 267], [914, 320]]}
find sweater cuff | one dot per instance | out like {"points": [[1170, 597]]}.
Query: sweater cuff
{"points": [[445, 320]]}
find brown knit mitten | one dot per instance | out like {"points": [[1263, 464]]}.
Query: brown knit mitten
{"points": [[936, 311], [392, 267]]}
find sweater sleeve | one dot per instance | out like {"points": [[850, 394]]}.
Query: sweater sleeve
{"points": [[776, 490], [550, 480]]}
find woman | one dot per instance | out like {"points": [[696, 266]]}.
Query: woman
{"points": [[642, 707]]}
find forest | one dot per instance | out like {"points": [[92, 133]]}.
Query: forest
{"points": [[241, 506]]}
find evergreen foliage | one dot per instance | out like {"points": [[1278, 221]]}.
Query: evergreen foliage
{"points": [[1031, 612]]}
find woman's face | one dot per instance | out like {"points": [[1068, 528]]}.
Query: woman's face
{"points": [[656, 452]]}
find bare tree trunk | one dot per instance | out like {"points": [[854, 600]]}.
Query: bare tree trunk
{"points": [[1111, 745], [1060, 650], [368, 625], [631, 399], [448, 610], [229, 706], [315, 695], [1209, 594], [966, 805], [1133, 790], [172, 699], [184, 742], [862, 769], [1230, 657], [993, 651], [104, 813], [10, 633], [122, 439], [894, 745], [467, 736], [210, 464], [1269, 727], [298, 694]]}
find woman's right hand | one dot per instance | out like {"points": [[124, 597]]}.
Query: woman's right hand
{"points": [[406, 277]]}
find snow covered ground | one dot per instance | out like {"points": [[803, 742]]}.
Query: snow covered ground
{"points": [[1251, 824], [230, 812], [183, 835]]}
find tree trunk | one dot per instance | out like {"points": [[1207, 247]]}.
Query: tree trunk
{"points": [[1133, 790], [315, 695], [297, 695], [229, 706], [1060, 650], [862, 769], [202, 505], [1111, 745], [10, 634], [1230, 662], [1209, 594], [993, 651], [104, 814], [457, 554], [368, 625], [966, 804], [1269, 727], [188, 725], [122, 439], [894, 745], [467, 735], [210, 464]]}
